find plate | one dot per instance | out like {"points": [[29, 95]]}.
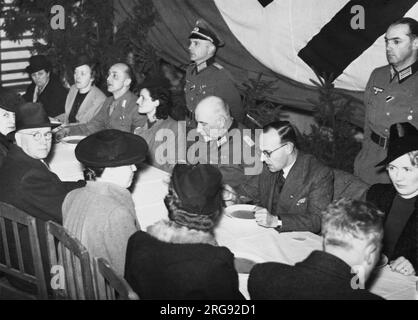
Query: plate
{"points": [[241, 211], [72, 139]]}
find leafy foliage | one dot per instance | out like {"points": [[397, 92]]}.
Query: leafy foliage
{"points": [[332, 137], [89, 29], [254, 101]]}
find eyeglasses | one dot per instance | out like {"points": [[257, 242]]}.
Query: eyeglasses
{"points": [[268, 154], [37, 135]]}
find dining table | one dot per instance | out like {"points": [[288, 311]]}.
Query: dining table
{"points": [[243, 237]]}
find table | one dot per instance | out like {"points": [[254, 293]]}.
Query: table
{"points": [[243, 237], [248, 240]]}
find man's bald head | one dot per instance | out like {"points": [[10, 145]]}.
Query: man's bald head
{"points": [[212, 114], [213, 105], [119, 79]]}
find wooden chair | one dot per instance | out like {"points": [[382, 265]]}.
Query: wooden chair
{"points": [[243, 265], [18, 223], [109, 285], [72, 261]]}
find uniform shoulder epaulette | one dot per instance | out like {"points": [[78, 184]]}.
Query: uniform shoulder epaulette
{"points": [[217, 65]]}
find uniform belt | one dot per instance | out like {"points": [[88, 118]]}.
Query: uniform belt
{"points": [[379, 140]]}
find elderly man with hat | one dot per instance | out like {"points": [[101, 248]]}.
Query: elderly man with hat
{"points": [[45, 88], [179, 258], [205, 77], [25, 180], [84, 99], [399, 200], [9, 101], [102, 214]]}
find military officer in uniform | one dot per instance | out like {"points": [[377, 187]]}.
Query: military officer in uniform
{"points": [[225, 143], [205, 77], [391, 96]]}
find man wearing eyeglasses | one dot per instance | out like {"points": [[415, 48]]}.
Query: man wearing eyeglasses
{"points": [[294, 187], [25, 180]]}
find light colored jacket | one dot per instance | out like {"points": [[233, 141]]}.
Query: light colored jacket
{"points": [[102, 216], [90, 106]]}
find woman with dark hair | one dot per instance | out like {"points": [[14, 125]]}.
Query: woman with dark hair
{"points": [[84, 99], [399, 200], [155, 102], [102, 214], [179, 258], [9, 100]]}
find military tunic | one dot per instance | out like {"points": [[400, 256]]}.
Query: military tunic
{"points": [[212, 80], [121, 114], [235, 154], [390, 98]]}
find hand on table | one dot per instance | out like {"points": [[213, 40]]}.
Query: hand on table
{"points": [[265, 219], [229, 195], [403, 266]]}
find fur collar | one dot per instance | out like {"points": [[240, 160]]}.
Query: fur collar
{"points": [[169, 231]]}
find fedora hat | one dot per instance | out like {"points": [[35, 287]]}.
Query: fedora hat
{"points": [[199, 187], [204, 31], [403, 138], [111, 148], [31, 115], [37, 63]]}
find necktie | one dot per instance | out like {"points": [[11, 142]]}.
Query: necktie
{"points": [[275, 191], [35, 94]]}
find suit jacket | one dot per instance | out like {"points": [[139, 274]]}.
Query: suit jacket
{"points": [[102, 216], [162, 270], [4, 147], [321, 276], [90, 106], [307, 191], [125, 116], [27, 184], [382, 195], [52, 97]]}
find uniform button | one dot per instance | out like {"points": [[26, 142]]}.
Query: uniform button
{"points": [[292, 196], [386, 130], [410, 118], [411, 111], [388, 114]]}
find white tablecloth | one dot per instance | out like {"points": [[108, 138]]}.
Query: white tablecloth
{"points": [[243, 237]]}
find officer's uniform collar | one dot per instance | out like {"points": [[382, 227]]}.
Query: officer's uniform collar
{"points": [[203, 65], [403, 74], [224, 139]]}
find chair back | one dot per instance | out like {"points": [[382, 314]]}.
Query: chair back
{"points": [[109, 285], [13, 224], [71, 260]]}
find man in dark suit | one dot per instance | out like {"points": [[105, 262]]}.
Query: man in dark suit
{"points": [[25, 180], [353, 232], [294, 187], [46, 88]]}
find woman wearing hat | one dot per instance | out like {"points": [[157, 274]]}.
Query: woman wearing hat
{"points": [[45, 88], [399, 200], [102, 214], [9, 100], [84, 99], [179, 258], [155, 102]]}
